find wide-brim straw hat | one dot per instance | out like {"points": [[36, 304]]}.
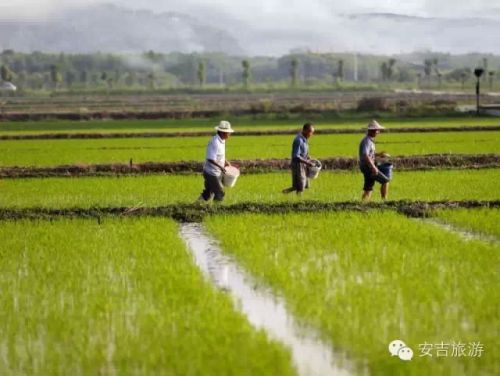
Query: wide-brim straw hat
{"points": [[374, 125], [224, 126]]}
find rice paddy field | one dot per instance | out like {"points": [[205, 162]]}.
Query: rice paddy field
{"points": [[158, 190], [140, 150], [367, 278], [93, 285], [242, 124], [122, 297]]}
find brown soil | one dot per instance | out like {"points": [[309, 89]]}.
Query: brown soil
{"points": [[195, 212], [424, 162]]}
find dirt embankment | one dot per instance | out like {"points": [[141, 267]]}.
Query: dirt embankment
{"points": [[66, 106], [196, 212], [423, 162]]}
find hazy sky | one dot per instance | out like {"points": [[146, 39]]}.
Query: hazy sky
{"points": [[273, 27], [263, 10]]}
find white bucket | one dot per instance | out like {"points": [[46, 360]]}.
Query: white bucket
{"points": [[230, 177], [313, 171]]}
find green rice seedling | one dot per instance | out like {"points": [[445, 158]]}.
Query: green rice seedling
{"points": [[242, 123], [91, 151], [120, 297], [157, 190], [366, 279]]}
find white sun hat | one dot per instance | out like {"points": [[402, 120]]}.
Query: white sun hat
{"points": [[224, 126], [374, 125]]}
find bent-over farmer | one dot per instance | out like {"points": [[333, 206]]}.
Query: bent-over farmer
{"points": [[300, 160], [216, 163], [368, 165]]}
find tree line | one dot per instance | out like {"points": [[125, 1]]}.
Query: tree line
{"points": [[152, 70]]}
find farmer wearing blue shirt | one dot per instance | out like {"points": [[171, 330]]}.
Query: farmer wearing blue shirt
{"points": [[367, 163], [300, 160]]}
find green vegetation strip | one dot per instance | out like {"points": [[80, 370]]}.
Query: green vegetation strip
{"points": [[418, 162], [49, 136], [366, 279], [196, 212], [242, 124], [120, 297], [44, 153], [162, 190]]}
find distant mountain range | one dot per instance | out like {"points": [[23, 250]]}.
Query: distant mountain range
{"points": [[397, 33], [111, 28]]}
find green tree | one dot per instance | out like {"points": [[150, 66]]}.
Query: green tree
{"points": [[70, 78], [294, 71], [151, 81], [390, 68], [201, 73], [22, 79], [6, 73], [491, 76], [246, 73], [387, 69], [55, 76], [485, 67], [130, 79], [463, 78], [110, 82], [439, 75], [383, 70], [84, 77], [340, 70], [428, 68]]}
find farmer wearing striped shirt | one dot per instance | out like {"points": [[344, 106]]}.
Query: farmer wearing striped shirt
{"points": [[216, 163], [301, 160], [367, 163]]}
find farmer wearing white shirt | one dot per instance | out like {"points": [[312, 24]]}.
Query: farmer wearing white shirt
{"points": [[367, 163], [215, 163]]}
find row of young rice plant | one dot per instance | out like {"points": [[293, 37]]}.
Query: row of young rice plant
{"points": [[89, 151], [241, 123], [158, 190], [367, 279], [480, 221], [120, 297]]}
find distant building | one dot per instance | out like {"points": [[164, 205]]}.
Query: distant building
{"points": [[7, 86]]}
